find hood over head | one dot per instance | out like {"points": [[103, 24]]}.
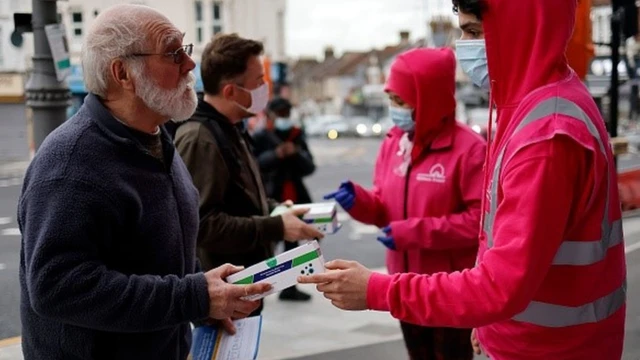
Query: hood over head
{"points": [[526, 43], [424, 78]]}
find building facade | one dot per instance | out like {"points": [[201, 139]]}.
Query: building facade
{"points": [[15, 60], [262, 20], [15, 49], [200, 19]]}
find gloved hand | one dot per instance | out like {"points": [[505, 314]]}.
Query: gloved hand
{"points": [[387, 239], [345, 196]]}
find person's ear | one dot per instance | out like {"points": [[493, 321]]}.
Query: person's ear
{"points": [[229, 91], [121, 74]]}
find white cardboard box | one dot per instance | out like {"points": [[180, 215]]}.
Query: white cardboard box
{"points": [[283, 270], [324, 216]]}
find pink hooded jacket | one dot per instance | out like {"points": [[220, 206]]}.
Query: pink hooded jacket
{"points": [[430, 194], [550, 278]]}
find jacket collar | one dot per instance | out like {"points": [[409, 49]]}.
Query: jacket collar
{"points": [[204, 109], [118, 132], [444, 140]]}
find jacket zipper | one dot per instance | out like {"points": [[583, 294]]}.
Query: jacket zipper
{"points": [[179, 213], [406, 212]]}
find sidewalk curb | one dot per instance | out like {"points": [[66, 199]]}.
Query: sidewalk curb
{"points": [[11, 348], [4, 343]]}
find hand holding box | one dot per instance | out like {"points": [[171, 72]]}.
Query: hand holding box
{"points": [[323, 216], [283, 270]]}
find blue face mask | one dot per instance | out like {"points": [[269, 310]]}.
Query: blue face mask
{"points": [[283, 124], [402, 118], [472, 55]]}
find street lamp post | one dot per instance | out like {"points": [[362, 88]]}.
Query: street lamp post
{"points": [[47, 97]]}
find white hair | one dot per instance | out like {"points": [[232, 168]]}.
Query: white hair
{"points": [[118, 32]]}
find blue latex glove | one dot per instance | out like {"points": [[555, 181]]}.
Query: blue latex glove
{"points": [[387, 239], [345, 196]]}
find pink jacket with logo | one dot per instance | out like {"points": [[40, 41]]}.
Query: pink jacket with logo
{"points": [[431, 200], [550, 278]]}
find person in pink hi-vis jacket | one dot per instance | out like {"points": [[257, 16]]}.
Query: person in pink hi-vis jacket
{"points": [[427, 187], [550, 280]]}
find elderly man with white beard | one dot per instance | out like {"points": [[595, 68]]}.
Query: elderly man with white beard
{"points": [[109, 214]]}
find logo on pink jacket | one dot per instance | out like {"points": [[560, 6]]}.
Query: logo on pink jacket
{"points": [[436, 174]]}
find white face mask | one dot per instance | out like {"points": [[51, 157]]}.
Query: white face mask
{"points": [[259, 99], [472, 55], [283, 124], [402, 118]]}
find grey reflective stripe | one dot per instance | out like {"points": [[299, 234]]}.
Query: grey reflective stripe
{"points": [[493, 200], [570, 252], [550, 315], [574, 253], [588, 252], [579, 252]]}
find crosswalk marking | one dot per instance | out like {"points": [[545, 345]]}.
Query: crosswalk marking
{"points": [[2, 266], [360, 231], [631, 248], [15, 181], [5, 220], [10, 232]]}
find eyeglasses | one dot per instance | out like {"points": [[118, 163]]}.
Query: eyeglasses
{"points": [[178, 55]]}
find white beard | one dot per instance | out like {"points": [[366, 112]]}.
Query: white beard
{"points": [[178, 104]]}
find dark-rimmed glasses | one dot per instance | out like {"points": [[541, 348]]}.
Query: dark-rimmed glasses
{"points": [[178, 54]]}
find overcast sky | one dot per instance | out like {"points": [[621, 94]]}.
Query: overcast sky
{"points": [[353, 24]]}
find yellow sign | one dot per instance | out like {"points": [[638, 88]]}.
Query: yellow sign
{"points": [[620, 145], [11, 87]]}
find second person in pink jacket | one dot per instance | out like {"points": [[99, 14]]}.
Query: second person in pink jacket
{"points": [[427, 187]]}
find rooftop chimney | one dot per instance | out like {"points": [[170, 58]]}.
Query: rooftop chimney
{"points": [[404, 37], [328, 53]]}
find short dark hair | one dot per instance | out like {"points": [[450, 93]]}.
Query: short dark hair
{"points": [[279, 104], [475, 7], [225, 57]]}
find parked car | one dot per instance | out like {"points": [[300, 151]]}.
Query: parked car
{"points": [[337, 128], [363, 126], [386, 124], [318, 126]]}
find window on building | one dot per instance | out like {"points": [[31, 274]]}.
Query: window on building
{"points": [[605, 33], [280, 33], [217, 17], [601, 29], [1, 47], [199, 18], [76, 23]]}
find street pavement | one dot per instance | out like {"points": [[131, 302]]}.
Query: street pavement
{"points": [[13, 137], [305, 331]]}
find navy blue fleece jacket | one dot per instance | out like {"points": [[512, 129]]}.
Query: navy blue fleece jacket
{"points": [[108, 261]]}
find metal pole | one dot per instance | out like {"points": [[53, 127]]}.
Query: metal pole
{"points": [[46, 96], [615, 60], [635, 90]]}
